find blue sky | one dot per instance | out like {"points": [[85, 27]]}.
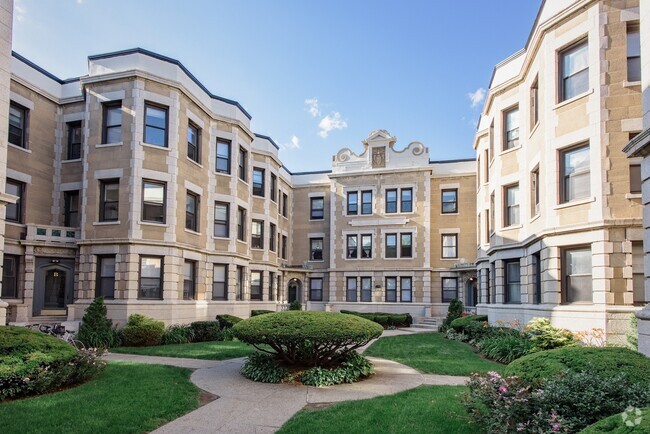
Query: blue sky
{"points": [[315, 76]]}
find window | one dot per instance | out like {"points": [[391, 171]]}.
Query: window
{"points": [[284, 247], [491, 138], [151, 277], [487, 226], [574, 70], [391, 201], [10, 276], [272, 232], [317, 207], [15, 210], [635, 178], [189, 280], [219, 282], [274, 187], [240, 283], [391, 245], [450, 246], [366, 289], [450, 201], [391, 289], [406, 289], [351, 289], [155, 125], [241, 224], [576, 273], [109, 193], [192, 212], [406, 200], [366, 246], [534, 104], [71, 208], [513, 282], [193, 142], [285, 198], [316, 249], [17, 125], [633, 52], [153, 201], [112, 127], [353, 203], [351, 246], [406, 245], [638, 278], [221, 219], [366, 202], [449, 289], [256, 285], [488, 283], [257, 234], [258, 182], [575, 174], [534, 192], [271, 289], [492, 214], [537, 278], [486, 163], [511, 128], [105, 286], [316, 289], [241, 164], [74, 140], [223, 156], [511, 212]]}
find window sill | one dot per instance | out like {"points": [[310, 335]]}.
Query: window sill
{"points": [[76, 160], [511, 228], [106, 223], [216, 172], [108, 145], [450, 213], [214, 237], [150, 145], [316, 260], [316, 220], [574, 99], [190, 231], [359, 259], [160, 225], [258, 196], [535, 217], [575, 203], [509, 150], [533, 130], [17, 224], [242, 241], [194, 162], [20, 148], [243, 181], [631, 83], [449, 259], [633, 196]]}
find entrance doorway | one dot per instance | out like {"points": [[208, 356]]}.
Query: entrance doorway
{"points": [[471, 293], [53, 285], [294, 287]]}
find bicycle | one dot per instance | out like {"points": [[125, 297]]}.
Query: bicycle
{"points": [[59, 331]]}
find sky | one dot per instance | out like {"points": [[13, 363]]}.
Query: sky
{"points": [[315, 76]]}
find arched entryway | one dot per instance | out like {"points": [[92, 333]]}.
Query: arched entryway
{"points": [[294, 288], [471, 292]]}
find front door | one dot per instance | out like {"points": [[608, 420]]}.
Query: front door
{"points": [[53, 285], [294, 290]]}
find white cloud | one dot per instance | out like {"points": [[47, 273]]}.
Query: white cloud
{"points": [[312, 107], [19, 11], [80, 2], [476, 97], [331, 122], [293, 144]]}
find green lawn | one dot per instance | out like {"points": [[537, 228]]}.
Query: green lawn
{"points": [[125, 398], [426, 409], [431, 353], [220, 350]]}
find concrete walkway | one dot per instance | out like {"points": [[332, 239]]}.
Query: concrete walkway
{"points": [[245, 406]]}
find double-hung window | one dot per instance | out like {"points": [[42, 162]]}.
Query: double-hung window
{"points": [[257, 234], [242, 165], [256, 285], [285, 199], [274, 187], [284, 247], [513, 281], [219, 282], [534, 191], [189, 280], [155, 125], [153, 201], [352, 247], [511, 214], [366, 202], [71, 208], [511, 128], [574, 70], [575, 174], [450, 201], [406, 245], [221, 219], [112, 126], [74, 140], [391, 245], [316, 249], [406, 289], [449, 289], [109, 193], [450, 246], [406, 200], [258, 182], [316, 289], [17, 125], [635, 178], [10, 265], [192, 211], [105, 286], [223, 156], [391, 201], [633, 52], [151, 277], [317, 208], [239, 295], [272, 232], [241, 224], [534, 104], [391, 289], [193, 142], [353, 203], [576, 273], [366, 246], [351, 289], [366, 289]]}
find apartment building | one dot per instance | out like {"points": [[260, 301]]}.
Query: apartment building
{"points": [[137, 184], [559, 214]]}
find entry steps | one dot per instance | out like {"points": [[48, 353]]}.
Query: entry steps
{"points": [[423, 324]]}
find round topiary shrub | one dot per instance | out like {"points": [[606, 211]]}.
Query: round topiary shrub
{"points": [[604, 362], [459, 324], [227, 321], [307, 338], [143, 331]]}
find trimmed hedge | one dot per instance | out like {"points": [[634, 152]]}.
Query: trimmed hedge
{"points": [[459, 324], [261, 312], [384, 319], [227, 321], [32, 362], [307, 338], [607, 361], [143, 331], [206, 331], [616, 424]]}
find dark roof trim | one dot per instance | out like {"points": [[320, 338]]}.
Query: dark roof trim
{"points": [[174, 62], [460, 160], [41, 70], [313, 172], [261, 136]]}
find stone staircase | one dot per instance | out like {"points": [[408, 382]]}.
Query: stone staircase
{"points": [[424, 324]]}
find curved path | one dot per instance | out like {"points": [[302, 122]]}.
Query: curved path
{"points": [[246, 406]]}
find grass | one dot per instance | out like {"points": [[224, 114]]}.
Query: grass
{"points": [[219, 350], [431, 353], [425, 409], [125, 398], [615, 424]]}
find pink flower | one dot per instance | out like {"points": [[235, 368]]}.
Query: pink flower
{"points": [[556, 427], [503, 389]]}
